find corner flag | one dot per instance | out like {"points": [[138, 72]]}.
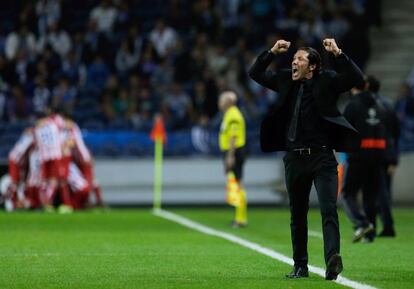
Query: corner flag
{"points": [[159, 136]]}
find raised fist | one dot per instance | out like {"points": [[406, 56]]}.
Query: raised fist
{"points": [[280, 46], [331, 46]]}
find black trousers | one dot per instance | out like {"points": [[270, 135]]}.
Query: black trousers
{"points": [[301, 171], [362, 175], [237, 169], [385, 200]]}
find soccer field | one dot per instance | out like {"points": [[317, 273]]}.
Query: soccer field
{"points": [[136, 249]]}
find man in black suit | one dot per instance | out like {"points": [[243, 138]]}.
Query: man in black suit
{"points": [[306, 123]]}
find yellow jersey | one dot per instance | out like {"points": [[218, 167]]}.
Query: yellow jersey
{"points": [[233, 125]]}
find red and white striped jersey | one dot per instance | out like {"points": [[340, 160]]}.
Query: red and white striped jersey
{"points": [[48, 140], [22, 146], [80, 147], [58, 120], [34, 178], [76, 181], [67, 139]]}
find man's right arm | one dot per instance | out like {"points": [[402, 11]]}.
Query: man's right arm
{"points": [[258, 71]]}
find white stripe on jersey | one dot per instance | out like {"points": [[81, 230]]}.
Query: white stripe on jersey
{"points": [[76, 180], [58, 120], [48, 140], [67, 139], [80, 144], [34, 178], [21, 146]]}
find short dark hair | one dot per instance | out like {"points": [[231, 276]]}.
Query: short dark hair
{"points": [[361, 85], [374, 84], [313, 56]]}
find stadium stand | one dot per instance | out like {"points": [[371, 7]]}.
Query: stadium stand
{"points": [[114, 64]]}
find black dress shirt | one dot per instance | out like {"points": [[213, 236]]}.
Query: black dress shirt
{"points": [[312, 130]]}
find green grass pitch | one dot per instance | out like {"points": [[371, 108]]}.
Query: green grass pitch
{"points": [[135, 249]]}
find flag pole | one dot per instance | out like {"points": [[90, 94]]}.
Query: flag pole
{"points": [[158, 154], [159, 136]]}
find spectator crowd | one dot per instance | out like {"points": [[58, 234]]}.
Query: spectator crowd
{"points": [[113, 64]]}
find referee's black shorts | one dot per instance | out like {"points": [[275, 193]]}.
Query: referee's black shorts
{"points": [[237, 169]]}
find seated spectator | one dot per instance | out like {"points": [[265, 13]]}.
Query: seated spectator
{"points": [[232, 17], [404, 105], [24, 67], [137, 40], [123, 105], [8, 75], [105, 15], [410, 81], [47, 11], [217, 59], [163, 38], [312, 30], [64, 96], [204, 104], [57, 38], [177, 108], [19, 106], [52, 64], [123, 18], [145, 110], [41, 96], [3, 106], [148, 64], [162, 77], [198, 63], [43, 71], [338, 26], [125, 60], [97, 74], [73, 70], [91, 41], [112, 87], [134, 85], [404, 108], [107, 107], [181, 62], [205, 19], [21, 41]]}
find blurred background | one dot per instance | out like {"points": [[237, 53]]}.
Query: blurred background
{"points": [[113, 65]]}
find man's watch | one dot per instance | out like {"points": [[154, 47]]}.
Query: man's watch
{"points": [[339, 52]]}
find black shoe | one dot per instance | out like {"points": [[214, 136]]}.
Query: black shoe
{"points": [[298, 272], [387, 233], [334, 267], [238, 225], [367, 239], [362, 232]]}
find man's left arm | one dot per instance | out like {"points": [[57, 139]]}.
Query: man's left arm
{"points": [[349, 75]]}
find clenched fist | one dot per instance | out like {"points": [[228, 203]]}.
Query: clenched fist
{"points": [[331, 46], [280, 46]]}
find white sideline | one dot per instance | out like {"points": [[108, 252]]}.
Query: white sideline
{"points": [[253, 246]]}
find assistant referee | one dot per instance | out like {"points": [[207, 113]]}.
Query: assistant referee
{"points": [[232, 141]]}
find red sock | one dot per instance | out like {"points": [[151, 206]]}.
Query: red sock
{"points": [[65, 194], [12, 192], [49, 192], [80, 199]]}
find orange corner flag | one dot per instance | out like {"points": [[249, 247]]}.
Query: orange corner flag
{"points": [[158, 131]]}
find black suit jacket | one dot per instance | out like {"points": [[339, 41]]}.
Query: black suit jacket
{"points": [[327, 86]]}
